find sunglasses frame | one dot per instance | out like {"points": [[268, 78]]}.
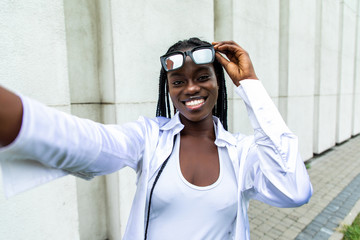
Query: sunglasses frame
{"points": [[187, 53]]}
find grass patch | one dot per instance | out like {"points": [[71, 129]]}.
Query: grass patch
{"points": [[352, 232]]}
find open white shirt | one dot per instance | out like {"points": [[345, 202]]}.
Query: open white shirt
{"points": [[181, 210], [52, 144]]}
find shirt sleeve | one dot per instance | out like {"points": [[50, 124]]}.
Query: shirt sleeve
{"points": [[274, 172], [52, 144]]}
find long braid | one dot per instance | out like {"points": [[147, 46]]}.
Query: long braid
{"points": [[167, 99], [161, 105], [221, 105]]}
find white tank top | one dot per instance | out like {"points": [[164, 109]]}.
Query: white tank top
{"points": [[181, 210]]}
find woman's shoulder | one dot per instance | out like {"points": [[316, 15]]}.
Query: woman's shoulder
{"points": [[164, 123], [153, 125], [154, 121]]}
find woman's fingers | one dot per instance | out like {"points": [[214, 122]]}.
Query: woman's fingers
{"points": [[230, 67], [225, 42], [231, 50], [240, 66], [223, 61], [227, 46]]}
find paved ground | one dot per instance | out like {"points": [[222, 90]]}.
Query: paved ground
{"points": [[335, 176]]}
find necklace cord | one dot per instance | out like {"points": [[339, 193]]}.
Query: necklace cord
{"points": [[152, 190]]}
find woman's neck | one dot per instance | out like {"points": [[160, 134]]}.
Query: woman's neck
{"points": [[203, 128]]}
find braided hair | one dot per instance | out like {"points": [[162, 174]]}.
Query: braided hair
{"points": [[220, 109]]}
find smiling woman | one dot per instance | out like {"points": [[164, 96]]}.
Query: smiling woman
{"points": [[202, 55], [195, 179]]}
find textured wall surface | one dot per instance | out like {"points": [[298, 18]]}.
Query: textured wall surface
{"points": [[326, 74], [100, 60], [346, 72], [82, 54], [34, 62], [298, 60]]}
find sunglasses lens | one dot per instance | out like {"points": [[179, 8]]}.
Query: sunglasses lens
{"points": [[203, 56], [174, 61]]}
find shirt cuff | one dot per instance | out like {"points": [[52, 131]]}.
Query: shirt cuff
{"points": [[19, 173]]}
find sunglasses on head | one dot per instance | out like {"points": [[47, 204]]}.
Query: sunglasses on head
{"points": [[199, 55]]}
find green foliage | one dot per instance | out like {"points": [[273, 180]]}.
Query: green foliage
{"points": [[352, 232]]}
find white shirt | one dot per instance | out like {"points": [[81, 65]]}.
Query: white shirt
{"points": [[267, 165], [181, 210]]}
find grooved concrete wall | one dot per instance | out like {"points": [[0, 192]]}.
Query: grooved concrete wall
{"points": [[34, 62], [100, 60]]}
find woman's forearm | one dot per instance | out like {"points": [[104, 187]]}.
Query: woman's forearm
{"points": [[11, 111]]}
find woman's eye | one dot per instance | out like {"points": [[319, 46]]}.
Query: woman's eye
{"points": [[176, 83], [203, 78]]}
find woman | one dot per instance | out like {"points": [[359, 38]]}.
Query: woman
{"points": [[195, 179]]}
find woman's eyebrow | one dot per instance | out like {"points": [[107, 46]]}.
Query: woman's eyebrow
{"points": [[175, 74], [202, 68]]}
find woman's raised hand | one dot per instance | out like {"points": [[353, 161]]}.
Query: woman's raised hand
{"points": [[240, 66]]}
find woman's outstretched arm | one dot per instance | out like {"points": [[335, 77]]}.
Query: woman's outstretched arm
{"points": [[11, 111], [44, 143]]}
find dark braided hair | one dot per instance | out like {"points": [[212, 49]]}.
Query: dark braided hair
{"points": [[220, 108]]}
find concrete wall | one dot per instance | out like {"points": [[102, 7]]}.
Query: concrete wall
{"points": [[298, 61], [326, 74], [81, 57], [34, 62], [356, 99], [345, 86]]}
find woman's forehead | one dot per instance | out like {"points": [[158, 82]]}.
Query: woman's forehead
{"points": [[184, 49]]}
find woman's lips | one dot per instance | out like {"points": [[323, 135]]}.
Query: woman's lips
{"points": [[194, 104]]}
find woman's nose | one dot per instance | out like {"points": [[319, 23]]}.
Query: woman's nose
{"points": [[192, 87]]}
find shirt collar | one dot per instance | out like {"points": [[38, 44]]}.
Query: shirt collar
{"points": [[174, 123], [223, 137]]}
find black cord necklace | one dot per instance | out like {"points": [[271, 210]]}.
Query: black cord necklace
{"points": [[152, 189]]}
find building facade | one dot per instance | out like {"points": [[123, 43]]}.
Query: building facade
{"points": [[99, 59]]}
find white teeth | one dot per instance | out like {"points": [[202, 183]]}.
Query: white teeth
{"points": [[194, 102]]}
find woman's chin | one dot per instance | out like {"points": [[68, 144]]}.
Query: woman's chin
{"points": [[193, 117]]}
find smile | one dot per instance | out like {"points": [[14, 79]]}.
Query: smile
{"points": [[194, 103]]}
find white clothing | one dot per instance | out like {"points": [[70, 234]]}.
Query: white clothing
{"points": [[207, 212], [267, 165]]}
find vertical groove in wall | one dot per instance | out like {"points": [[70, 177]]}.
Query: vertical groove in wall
{"points": [[318, 39], [82, 54], [105, 52], [113, 206], [341, 21], [223, 20], [284, 56], [317, 83], [66, 20], [108, 105], [356, 73], [81, 42], [223, 30]]}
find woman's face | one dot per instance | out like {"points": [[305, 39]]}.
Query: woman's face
{"points": [[193, 89]]}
